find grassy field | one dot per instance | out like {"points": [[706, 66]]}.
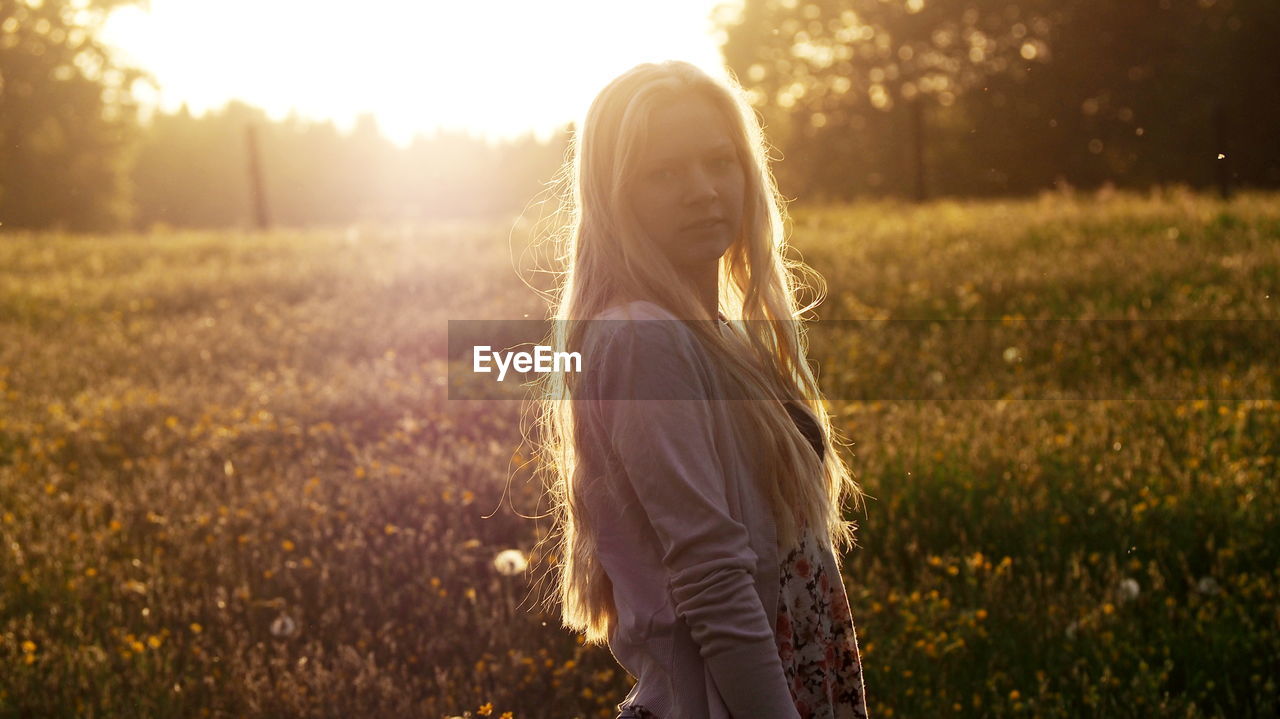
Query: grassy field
{"points": [[231, 483]]}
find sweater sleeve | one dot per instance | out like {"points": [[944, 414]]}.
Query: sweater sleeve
{"points": [[653, 403]]}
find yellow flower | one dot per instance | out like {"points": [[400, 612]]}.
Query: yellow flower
{"points": [[485, 709], [196, 628], [29, 647], [287, 545], [153, 641], [1014, 695]]}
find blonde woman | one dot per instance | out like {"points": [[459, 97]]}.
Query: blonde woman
{"points": [[699, 498]]}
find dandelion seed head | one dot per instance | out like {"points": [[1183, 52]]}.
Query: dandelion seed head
{"points": [[284, 626], [510, 562], [1129, 589], [1208, 585]]}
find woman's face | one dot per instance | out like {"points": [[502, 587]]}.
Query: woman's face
{"points": [[689, 184]]}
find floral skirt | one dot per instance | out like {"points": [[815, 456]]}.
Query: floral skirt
{"points": [[816, 637]]}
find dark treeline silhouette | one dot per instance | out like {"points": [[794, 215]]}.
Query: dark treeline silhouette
{"points": [[986, 97], [195, 172], [67, 117], [909, 98]]}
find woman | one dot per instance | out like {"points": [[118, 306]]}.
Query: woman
{"points": [[697, 535]]}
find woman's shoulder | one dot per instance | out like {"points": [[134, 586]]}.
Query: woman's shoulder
{"points": [[640, 350], [643, 322], [635, 310]]}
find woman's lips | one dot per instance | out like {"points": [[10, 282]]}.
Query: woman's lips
{"points": [[704, 224]]}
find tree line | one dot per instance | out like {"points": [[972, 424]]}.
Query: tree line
{"points": [[992, 97], [196, 171], [907, 98]]}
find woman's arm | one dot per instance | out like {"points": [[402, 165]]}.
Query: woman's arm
{"points": [[665, 442]]}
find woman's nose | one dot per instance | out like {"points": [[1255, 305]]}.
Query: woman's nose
{"points": [[701, 187]]}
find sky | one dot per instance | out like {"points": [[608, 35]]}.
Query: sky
{"points": [[498, 69]]}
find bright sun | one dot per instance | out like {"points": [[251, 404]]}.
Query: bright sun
{"points": [[498, 69]]}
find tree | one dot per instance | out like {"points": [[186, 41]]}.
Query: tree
{"points": [[67, 117], [854, 79], [1018, 93]]}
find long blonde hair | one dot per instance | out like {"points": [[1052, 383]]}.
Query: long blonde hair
{"points": [[606, 256]]}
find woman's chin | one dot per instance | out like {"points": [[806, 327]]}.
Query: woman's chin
{"points": [[711, 248]]}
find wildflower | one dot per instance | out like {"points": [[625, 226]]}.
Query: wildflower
{"points": [[510, 562], [485, 709], [1128, 589], [1208, 585], [283, 626]]}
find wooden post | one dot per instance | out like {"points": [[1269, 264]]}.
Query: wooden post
{"points": [[256, 186], [917, 140]]}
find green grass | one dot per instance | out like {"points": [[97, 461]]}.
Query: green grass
{"points": [[205, 436]]}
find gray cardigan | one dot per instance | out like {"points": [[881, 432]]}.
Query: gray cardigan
{"points": [[684, 532]]}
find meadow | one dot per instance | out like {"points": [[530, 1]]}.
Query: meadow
{"points": [[232, 483]]}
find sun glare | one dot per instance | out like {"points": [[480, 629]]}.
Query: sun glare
{"points": [[497, 69]]}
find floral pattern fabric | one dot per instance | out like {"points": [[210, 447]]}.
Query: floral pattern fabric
{"points": [[816, 637]]}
